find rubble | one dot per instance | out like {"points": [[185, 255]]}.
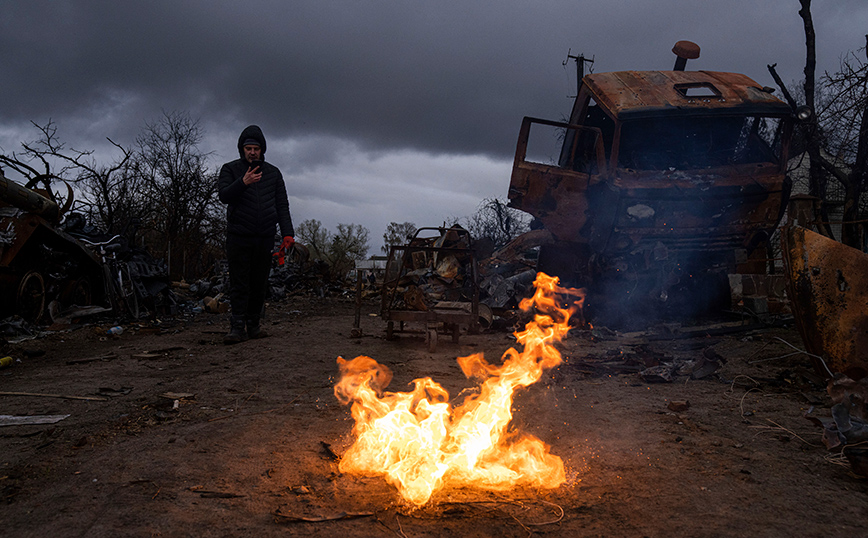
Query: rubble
{"points": [[49, 271], [433, 279], [846, 430]]}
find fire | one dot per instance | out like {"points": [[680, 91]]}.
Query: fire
{"points": [[420, 443]]}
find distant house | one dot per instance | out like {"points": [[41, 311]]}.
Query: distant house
{"points": [[375, 265], [799, 171]]}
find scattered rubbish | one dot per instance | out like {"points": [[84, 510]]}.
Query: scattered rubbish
{"points": [[117, 331], [678, 406], [846, 431], [216, 304], [649, 365], [178, 395], [13, 420], [327, 452], [661, 373], [109, 391], [432, 280], [15, 327], [708, 363], [7, 361], [147, 355]]}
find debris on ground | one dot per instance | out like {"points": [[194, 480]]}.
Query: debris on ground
{"points": [[846, 431]]}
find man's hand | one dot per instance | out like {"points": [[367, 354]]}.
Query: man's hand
{"points": [[252, 177], [288, 241]]}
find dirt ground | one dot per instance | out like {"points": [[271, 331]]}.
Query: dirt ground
{"points": [[250, 451]]}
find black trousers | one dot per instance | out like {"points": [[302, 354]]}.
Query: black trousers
{"points": [[249, 265]]}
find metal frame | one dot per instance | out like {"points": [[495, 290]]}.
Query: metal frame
{"points": [[450, 315]]}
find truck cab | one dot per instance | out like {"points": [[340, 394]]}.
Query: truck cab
{"points": [[662, 179]]}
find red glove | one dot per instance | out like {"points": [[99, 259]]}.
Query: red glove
{"points": [[288, 241]]}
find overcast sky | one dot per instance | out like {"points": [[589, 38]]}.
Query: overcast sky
{"points": [[375, 111]]}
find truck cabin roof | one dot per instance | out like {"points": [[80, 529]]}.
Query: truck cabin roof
{"points": [[632, 95]]}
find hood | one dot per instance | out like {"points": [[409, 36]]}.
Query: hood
{"points": [[251, 131]]}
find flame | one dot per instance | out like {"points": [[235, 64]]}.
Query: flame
{"points": [[420, 443]]}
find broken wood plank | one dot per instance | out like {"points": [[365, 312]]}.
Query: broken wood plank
{"points": [[218, 495], [109, 357], [178, 395], [64, 396], [157, 353], [291, 518], [22, 420]]}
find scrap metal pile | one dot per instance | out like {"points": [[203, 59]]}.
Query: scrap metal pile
{"points": [[50, 270], [431, 269]]}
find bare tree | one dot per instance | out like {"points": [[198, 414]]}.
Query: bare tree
{"points": [[497, 221], [847, 142], [397, 234], [349, 245], [837, 132], [340, 250], [109, 192], [183, 193], [312, 234]]}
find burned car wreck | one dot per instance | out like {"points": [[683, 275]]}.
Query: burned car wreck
{"points": [[52, 264], [664, 183]]}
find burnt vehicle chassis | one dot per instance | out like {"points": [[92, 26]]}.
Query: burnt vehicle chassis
{"points": [[46, 268], [665, 182], [40, 264]]}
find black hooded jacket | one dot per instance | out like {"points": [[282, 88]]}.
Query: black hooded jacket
{"points": [[254, 209]]}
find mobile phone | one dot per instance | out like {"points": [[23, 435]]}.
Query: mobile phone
{"points": [[257, 164]]}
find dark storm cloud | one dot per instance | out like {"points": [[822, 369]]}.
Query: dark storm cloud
{"points": [[441, 76]]}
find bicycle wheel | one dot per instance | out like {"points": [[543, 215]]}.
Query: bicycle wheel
{"points": [[128, 294]]}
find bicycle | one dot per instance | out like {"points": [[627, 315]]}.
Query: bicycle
{"points": [[119, 286]]}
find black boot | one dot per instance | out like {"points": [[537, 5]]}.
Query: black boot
{"points": [[254, 331], [236, 331]]}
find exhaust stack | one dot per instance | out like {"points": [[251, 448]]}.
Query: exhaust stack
{"points": [[685, 50]]}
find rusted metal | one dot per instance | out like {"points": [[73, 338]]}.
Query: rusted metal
{"points": [[40, 265], [21, 197], [828, 287], [432, 280], [671, 173], [685, 50], [38, 262]]}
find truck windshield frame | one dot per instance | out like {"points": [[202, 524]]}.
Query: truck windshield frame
{"points": [[697, 142]]}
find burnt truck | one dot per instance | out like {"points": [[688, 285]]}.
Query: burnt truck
{"points": [[55, 266], [659, 185]]}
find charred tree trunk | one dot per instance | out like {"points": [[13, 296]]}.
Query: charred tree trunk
{"points": [[818, 177]]}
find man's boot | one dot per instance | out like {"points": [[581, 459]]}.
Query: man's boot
{"points": [[236, 331], [254, 331]]}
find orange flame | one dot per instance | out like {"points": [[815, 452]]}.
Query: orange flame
{"points": [[419, 443]]}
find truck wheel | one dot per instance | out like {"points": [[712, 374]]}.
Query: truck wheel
{"points": [[30, 297], [77, 292]]}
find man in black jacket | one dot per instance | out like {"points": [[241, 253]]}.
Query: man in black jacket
{"points": [[256, 196]]}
